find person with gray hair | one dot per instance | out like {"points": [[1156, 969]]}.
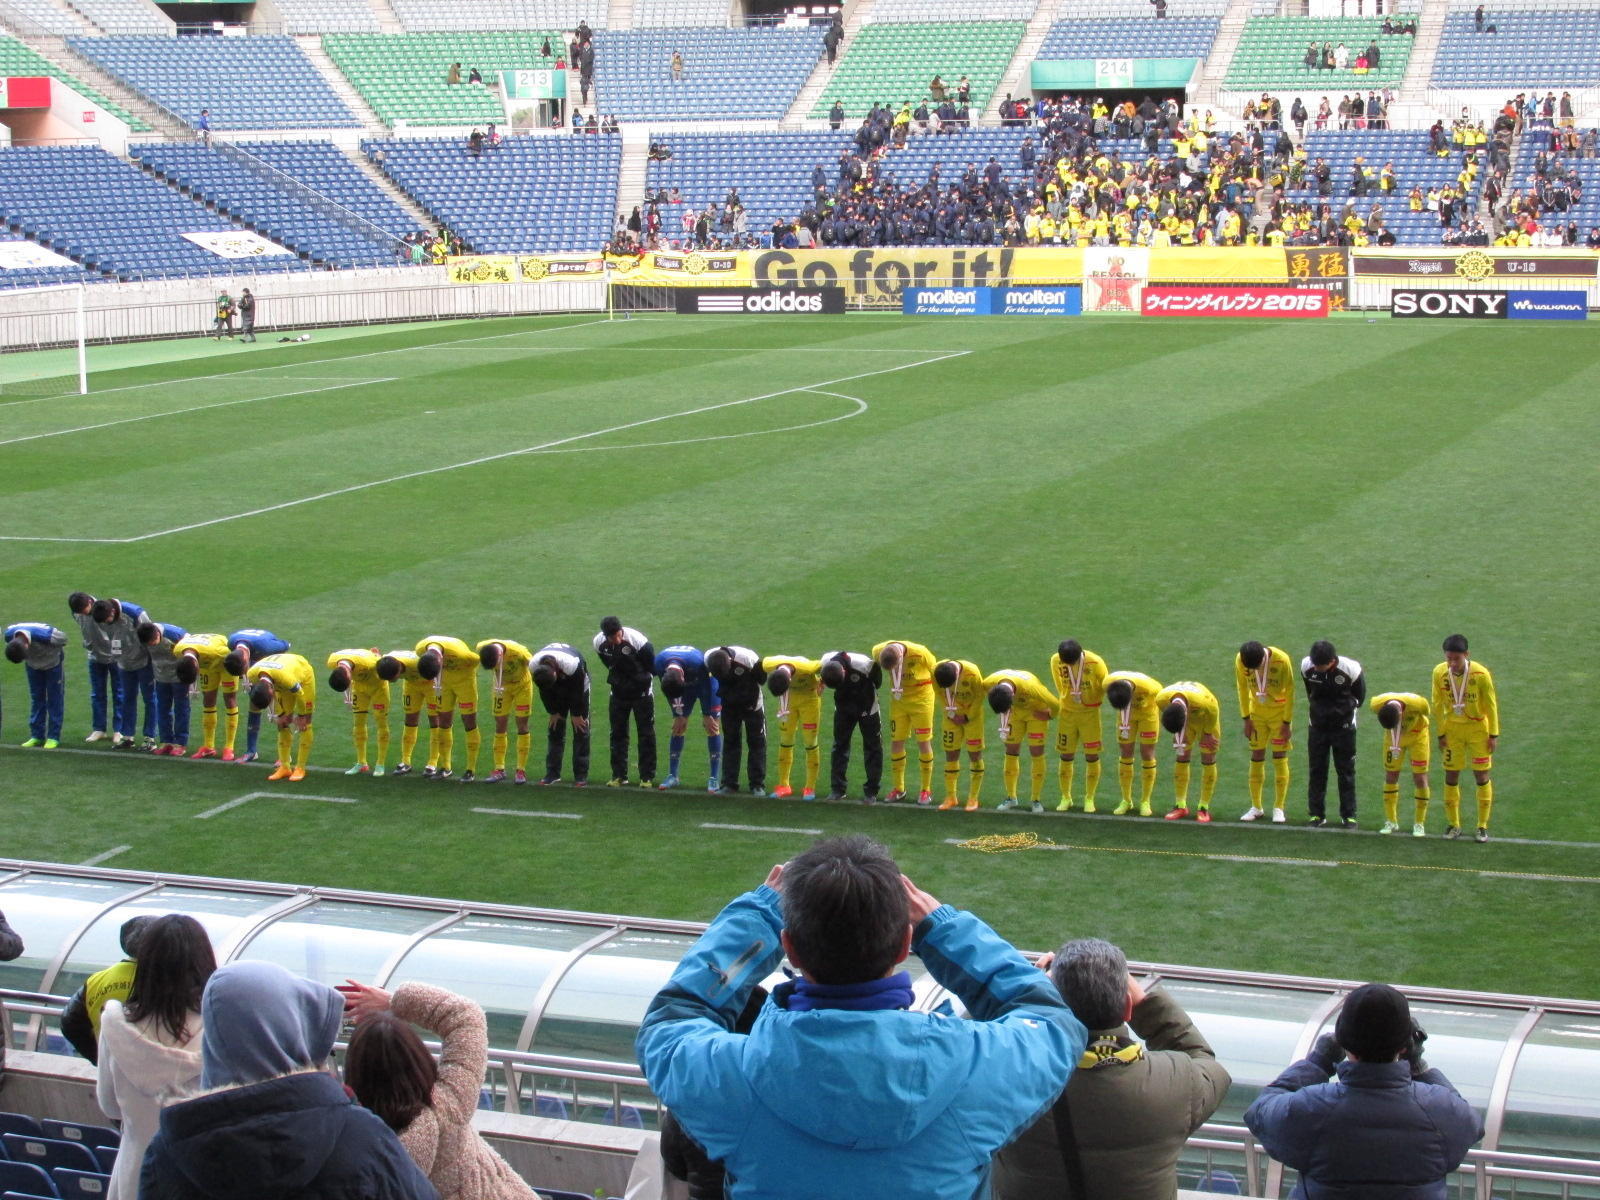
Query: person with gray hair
{"points": [[1117, 1130]]}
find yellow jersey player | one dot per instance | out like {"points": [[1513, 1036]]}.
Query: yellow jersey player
{"points": [[199, 665], [1026, 708], [961, 685], [1132, 697], [414, 694], [1467, 716], [1266, 678], [797, 683], [1080, 679], [284, 683], [354, 674], [1403, 717], [1191, 714], [910, 671], [451, 666], [513, 696]]}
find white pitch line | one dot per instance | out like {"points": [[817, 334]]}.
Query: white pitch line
{"points": [[106, 855], [249, 796], [522, 812], [527, 450], [861, 406], [760, 828], [309, 362], [178, 412]]}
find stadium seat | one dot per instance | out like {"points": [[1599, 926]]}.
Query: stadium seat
{"points": [[1528, 49], [48, 1153], [80, 1185], [1134, 37], [751, 73], [106, 1156], [327, 16], [890, 62], [259, 82], [553, 1107], [87, 1135], [126, 17], [22, 1123], [18, 59], [402, 76], [499, 14], [25, 1178], [1414, 164]]}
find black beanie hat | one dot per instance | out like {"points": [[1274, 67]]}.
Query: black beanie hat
{"points": [[1375, 1023]]}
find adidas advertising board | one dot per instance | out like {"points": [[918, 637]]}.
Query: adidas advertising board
{"points": [[1031, 300], [1549, 306], [786, 302], [1479, 306]]}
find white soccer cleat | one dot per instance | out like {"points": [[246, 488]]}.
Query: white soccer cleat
{"points": [[1278, 817], [1253, 814], [96, 736]]}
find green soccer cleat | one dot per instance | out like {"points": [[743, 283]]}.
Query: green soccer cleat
{"points": [[1064, 806], [51, 744], [31, 742], [358, 769]]}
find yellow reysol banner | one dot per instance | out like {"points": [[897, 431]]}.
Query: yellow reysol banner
{"points": [[482, 268]]}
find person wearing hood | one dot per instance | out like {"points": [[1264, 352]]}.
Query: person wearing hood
{"points": [[271, 1123], [840, 1089], [150, 1045]]}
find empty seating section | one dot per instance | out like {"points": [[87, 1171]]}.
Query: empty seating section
{"points": [[771, 170], [952, 10], [17, 59], [111, 216], [46, 16], [247, 83], [126, 17], [11, 277], [1527, 49], [327, 16], [1414, 165], [402, 76], [274, 211], [1271, 54], [889, 62], [529, 195], [727, 73], [1130, 37], [499, 14], [648, 14], [323, 167], [1074, 10]]}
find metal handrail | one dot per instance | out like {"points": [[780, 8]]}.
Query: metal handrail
{"points": [[326, 205]]}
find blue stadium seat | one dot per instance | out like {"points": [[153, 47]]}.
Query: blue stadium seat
{"points": [[88, 1135], [751, 73], [26, 1179], [20, 1123], [48, 1154], [1130, 37], [80, 1185], [1529, 49]]}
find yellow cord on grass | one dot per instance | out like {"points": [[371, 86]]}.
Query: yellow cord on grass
{"points": [[1000, 843]]}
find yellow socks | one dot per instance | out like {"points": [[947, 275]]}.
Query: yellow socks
{"points": [[813, 765], [1391, 803], [498, 751], [285, 746], [785, 763], [1125, 779], [1280, 781], [1258, 778], [1036, 770], [1421, 798], [1147, 781], [307, 736], [1091, 781], [1064, 772], [208, 727], [975, 783], [230, 726], [474, 745], [1452, 804], [1208, 783], [359, 735], [925, 770], [1485, 804], [408, 743], [1180, 784], [383, 739], [952, 776], [445, 739], [897, 771], [1010, 773], [524, 745]]}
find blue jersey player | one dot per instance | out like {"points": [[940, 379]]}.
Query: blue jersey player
{"points": [[39, 648], [685, 682], [245, 647]]}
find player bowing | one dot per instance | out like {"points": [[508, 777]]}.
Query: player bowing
{"points": [[685, 683], [797, 684], [513, 696], [1265, 678], [1403, 717], [1191, 714], [1132, 696], [414, 693], [910, 671], [451, 666], [1080, 679], [1026, 708], [284, 683], [962, 685], [354, 673]]}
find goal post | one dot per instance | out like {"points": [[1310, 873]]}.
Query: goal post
{"points": [[52, 357]]}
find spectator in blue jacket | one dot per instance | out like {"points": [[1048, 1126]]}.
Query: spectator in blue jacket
{"points": [[1389, 1125], [38, 646], [840, 1089]]}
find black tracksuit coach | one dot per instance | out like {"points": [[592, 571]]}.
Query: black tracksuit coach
{"points": [[855, 706], [1336, 691], [628, 660]]}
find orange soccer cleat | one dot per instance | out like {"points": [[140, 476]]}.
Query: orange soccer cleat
{"points": [[204, 752], [948, 804], [281, 772], [296, 775], [782, 790]]}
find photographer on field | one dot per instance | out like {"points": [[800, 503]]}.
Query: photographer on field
{"points": [[1388, 1125]]}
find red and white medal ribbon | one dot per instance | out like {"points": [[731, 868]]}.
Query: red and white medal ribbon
{"points": [[1261, 678], [1458, 692], [895, 689], [1075, 681]]}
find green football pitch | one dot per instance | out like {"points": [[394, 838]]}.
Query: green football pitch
{"points": [[1161, 491]]}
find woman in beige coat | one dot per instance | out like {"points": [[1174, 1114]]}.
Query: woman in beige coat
{"points": [[430, 1105]]}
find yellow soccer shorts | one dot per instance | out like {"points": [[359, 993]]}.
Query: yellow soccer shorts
{"points": [[1265, 723], [911, 717], [296, 704], [1466, 745], [458, 692], [803, 710], [514, 700], [1194, 738], [370, 699], [1078, 729], [1025, 729], [214, 679], [1143, 728], [415, 696], [1413, 750], [970, 735]]}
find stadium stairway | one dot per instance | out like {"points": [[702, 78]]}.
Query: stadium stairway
{"points": [[388, 20], [822, 74], [311, 46], [1017, 81], [635, 166], [1413, 89], [1209, 93], [387, 186], [47, 17], [619, 14], [58, 54]]}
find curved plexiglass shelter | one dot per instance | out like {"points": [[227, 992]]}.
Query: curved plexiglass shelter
{"points": [[565, 992]]}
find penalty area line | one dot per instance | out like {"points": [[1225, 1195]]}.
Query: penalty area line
{"points": [[523, 812], [105, 856], [542, 447], [249, 796], [760, 828]]}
